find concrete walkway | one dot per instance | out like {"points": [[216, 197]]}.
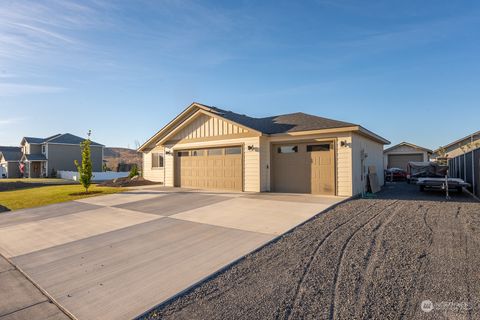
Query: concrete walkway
{"points": [[20, 299], [116, 256]]}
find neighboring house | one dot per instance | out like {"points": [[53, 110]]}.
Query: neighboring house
{"points": [[9, 161], [401, 154], [210, 148], [459, 147], [40, 157]]}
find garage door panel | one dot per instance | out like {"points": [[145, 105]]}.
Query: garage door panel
{"points": [[304, 168], [401, 160], [212, 169]]}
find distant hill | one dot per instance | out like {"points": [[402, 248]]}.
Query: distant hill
{"points": [[115, 156]]}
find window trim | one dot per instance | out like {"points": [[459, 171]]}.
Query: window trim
{"points": [[161, 160]]}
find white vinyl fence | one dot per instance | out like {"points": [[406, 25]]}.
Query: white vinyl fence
{"points": [[97, 176]]}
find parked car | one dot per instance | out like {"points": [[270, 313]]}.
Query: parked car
{"points": [[395, 174]]}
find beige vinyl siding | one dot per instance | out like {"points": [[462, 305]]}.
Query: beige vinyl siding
{"points": [[344, 166], [62, 157], [374, 151], [153, 174], [343, 156], [251, 161], [205, 126]]}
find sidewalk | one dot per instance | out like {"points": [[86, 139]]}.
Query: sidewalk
{"points": [[20, 299]]}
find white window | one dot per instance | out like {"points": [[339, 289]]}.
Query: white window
{"points": [[44, 149], [157, 160], [287, 149]]}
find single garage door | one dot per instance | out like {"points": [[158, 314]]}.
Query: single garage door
{"points": [[401, 160], [304, 168], [212, 168]]}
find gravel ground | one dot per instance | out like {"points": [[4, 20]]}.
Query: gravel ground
{"points": [[365, 259]]}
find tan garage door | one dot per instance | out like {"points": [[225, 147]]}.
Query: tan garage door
{"points": [[304, 168], [401, 160], [213, 168]]}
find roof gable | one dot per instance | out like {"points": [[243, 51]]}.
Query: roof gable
{"points": [[68, 138], [408, 145], [203, 125]]}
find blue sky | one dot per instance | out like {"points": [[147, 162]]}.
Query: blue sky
{"points": [[407, 70]]}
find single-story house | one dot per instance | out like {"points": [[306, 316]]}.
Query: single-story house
{"points": [[210, 148], [399, 155], [459, 147], [9, 160]]}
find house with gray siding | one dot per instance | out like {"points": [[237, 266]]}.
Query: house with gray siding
{"points": [[43, 157], [9, 161]]}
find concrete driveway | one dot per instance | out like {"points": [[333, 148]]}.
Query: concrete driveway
{"points": [[116, 256]]}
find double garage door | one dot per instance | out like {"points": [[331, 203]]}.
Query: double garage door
{"points": [[212, 168], [304, 168]]}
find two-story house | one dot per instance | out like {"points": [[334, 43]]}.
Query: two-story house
{"points": [[43, 157]]}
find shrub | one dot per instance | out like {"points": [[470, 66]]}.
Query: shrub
{"points": [[133, 171]]}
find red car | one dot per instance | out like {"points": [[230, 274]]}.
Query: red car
{"points": [[395, 174]]}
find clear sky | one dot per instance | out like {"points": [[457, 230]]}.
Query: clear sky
{"points": [[407, 70]]}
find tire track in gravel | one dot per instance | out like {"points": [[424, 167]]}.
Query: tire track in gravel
{"points": [[408, 306], [372, 259], [307, 268], [467, 277], [342, 255]]}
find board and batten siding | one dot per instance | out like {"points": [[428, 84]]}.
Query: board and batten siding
{"points": [[205, 126], [149, 173], [374, 151]]}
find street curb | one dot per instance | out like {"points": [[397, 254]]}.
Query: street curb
{"points": [[49, 297], [225, 268]]}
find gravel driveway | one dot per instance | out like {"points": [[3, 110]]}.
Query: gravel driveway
{"points": [[364, 259]]}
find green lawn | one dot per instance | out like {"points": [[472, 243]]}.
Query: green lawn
{"points": [[41, 196]]}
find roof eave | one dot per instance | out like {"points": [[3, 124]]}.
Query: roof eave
{"points": [[181, 118], [354, 128]]}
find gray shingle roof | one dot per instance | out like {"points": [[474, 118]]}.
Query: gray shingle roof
{"points": [[11, 153], [35, 157], [283, 123], [34, 140], [68, 138]]}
